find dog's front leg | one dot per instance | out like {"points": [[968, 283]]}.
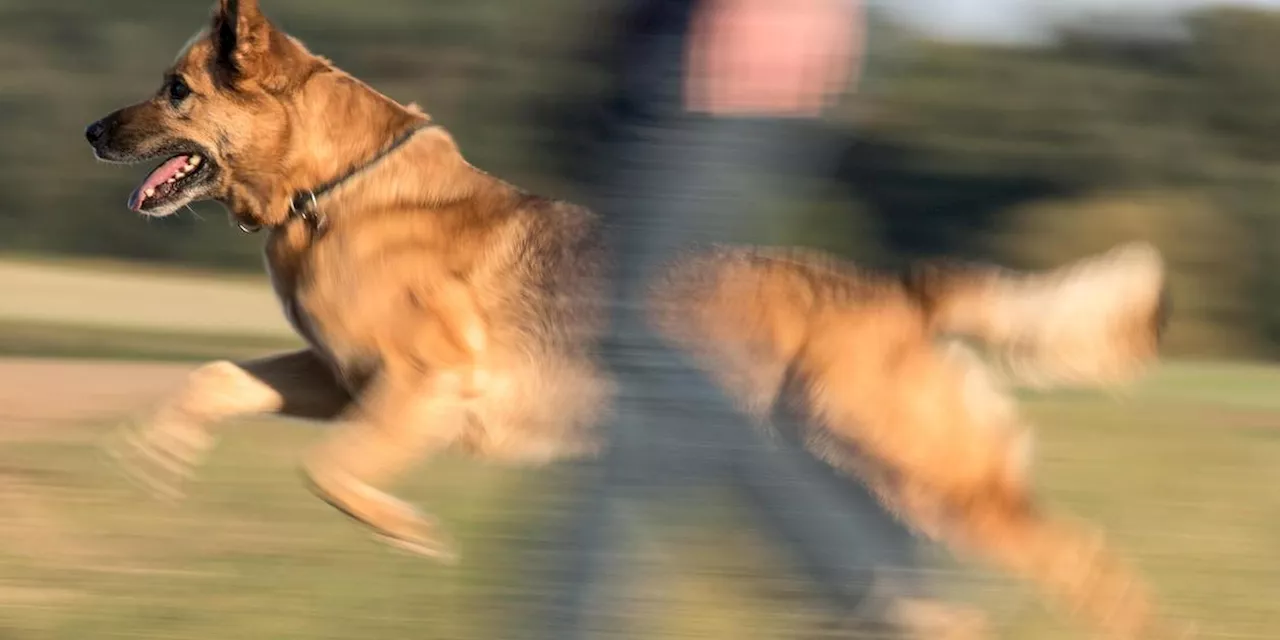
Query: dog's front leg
{"points": [[393, 425], [162, 451]]}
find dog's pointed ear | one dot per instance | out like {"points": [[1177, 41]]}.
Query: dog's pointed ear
{"points": [[242, 36]]}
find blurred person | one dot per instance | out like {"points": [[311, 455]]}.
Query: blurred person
{"points": [[713, 112]]}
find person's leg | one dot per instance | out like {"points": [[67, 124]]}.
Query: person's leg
{"points": [[631, 188], [861, 560], [670, 180], [858, 557]]}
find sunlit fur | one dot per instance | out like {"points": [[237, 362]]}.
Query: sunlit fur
{"points": [[1085, 323], [881, 368], [443, 308]]}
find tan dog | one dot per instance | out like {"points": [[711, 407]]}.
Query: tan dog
{"points": [[443, 307], [889, 393]]}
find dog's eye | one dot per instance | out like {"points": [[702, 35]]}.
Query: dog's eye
{"points": [[178, 90]]}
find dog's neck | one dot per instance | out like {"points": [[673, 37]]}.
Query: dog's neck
{"points": [[352, 136], [307, 204]]}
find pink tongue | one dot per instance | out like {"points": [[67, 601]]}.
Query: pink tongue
{"points": [[158, 177]]}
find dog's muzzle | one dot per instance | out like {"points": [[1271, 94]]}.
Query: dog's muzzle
{"points": [[98, 133]]}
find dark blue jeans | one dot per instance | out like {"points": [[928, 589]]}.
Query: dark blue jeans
{"points": [[665, 180]]}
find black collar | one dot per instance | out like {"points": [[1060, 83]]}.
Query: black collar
{"points": [[305, 205]]}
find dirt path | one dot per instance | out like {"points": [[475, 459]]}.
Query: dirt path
{"points": [[40, 392]]}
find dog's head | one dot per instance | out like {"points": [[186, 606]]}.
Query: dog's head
{"points": [[220, 121]]}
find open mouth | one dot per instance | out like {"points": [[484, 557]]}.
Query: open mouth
{"points": [[171, 184]]}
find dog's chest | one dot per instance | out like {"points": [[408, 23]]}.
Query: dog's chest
{"points": [[298, 318], [286, 264], [347, 365], [296, 314]]}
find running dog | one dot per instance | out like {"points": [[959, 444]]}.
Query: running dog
{"points": [[443, 308], [446, 309]]}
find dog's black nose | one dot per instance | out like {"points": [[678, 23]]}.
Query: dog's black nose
{"points": [[94, 132]]}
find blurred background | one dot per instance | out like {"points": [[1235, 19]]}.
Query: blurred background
{"points": [[1025, 131]]}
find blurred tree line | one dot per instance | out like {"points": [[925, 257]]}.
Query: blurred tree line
{"points": [[1029, 154]]}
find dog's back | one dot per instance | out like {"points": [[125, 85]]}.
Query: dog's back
{"points": [[550, 393]]}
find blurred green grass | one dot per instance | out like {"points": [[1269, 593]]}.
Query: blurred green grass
{"points": [[124, 296], [67, 340], [1182, 473], [59, 307], [1184, 480]]}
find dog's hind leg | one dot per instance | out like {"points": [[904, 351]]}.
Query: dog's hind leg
{"points": [[162, 451], [951, 456], [392, 426]]}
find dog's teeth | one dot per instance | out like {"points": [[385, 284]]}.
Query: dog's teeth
{"points": [[149, 192], [171, 180], [195, 160], [188, 169]]}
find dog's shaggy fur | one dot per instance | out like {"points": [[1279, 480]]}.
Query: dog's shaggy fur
{"points": [[880, 367], [443, 307]]}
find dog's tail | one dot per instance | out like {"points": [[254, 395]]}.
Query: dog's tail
{"points": [[1096, 321]]}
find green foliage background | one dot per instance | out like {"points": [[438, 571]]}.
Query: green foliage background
{"points": [[1028, 154]]}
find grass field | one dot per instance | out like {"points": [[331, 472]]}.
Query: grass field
{"points": [[1183, 473], [124, 296], [60, 308]]}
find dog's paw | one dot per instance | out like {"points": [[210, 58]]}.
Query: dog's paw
{"points": [[388, 518], [427, 547], [417, 534], [157, 459]]}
